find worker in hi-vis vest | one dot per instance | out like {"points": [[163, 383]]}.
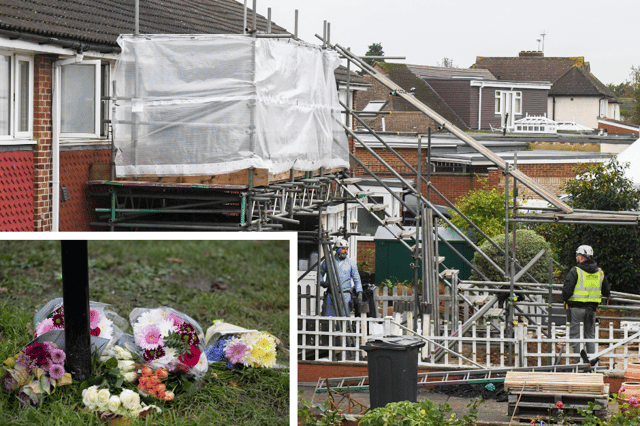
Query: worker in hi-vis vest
{"points": [[584, 287]]}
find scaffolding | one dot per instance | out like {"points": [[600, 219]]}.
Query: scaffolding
{"points": [[282, 205]]}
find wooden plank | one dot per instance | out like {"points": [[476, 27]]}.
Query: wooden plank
{"points": [[587, 383]]}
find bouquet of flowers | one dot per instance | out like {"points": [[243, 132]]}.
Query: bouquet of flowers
{"points": [[238, 346], [166, 338], [106, 326], [126, 403], [34, 371]]}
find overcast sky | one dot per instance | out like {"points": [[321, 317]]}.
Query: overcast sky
{"points": [[607, 34]]}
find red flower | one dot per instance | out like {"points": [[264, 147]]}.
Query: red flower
{"points": [[191, 357], [58, 320], [38, 352], [559, 404], [95, 331]]}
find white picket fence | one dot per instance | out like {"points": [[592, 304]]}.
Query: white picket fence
{"points": [[330, 339], [489, 343]]}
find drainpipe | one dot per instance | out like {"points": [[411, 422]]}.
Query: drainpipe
{"points": [[480, 105], [55, 148]]}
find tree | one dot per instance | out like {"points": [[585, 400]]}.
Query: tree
{"points": [[485, 208], [375, 49], [616, 248], [635, 81], [446, 62]]}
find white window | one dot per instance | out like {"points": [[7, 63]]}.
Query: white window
{"points": [[508, 102], [498, 102], [517, 103], [16, 97], [80, 99]]}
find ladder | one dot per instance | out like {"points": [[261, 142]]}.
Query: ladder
{"points": [[454, 377]]}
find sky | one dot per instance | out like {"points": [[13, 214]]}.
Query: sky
{"points": [[607, 34]]}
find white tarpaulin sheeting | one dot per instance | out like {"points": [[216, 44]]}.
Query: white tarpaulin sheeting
{"points": [[631, 155], [213, 104]]}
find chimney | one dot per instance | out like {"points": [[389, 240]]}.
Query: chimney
{"points": [[531, 54]]}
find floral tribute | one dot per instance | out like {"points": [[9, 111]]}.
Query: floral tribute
{"points": [[151, 383], [240, 347], [125, 403], [105, 325], [170, 340], [34, 372]]}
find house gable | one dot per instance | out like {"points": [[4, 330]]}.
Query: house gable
{"points": [[578, 82]]}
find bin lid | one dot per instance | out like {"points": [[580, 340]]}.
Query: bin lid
{"points": [[394, 343]]}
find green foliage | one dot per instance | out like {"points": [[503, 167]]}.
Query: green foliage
{"points": [[325, 417], [375, 49], [420, 413], [485, 208], [364, 264], [616, 248], [528, 245], [635, 94]]}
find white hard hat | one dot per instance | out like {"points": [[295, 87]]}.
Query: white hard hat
{"points": [[341, 242], [586, 251]]}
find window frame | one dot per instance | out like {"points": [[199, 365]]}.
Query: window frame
{"points": [[15, 92], [97, 68]]}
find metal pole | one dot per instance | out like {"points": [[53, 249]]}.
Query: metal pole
{"points": [[75, 295], [295, 31], [416, 248], [136, 30]]}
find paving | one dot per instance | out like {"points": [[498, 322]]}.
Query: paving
{"points": [[490, 413]]}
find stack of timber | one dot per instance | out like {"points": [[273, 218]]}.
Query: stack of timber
{"points": [[535, 395]]}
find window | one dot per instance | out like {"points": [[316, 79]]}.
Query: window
{"points": [[368, 225], [16, 97], [508, 102]]}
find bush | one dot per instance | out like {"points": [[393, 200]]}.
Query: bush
{"points": [[420, 413], [485, 208], [528, 245]]}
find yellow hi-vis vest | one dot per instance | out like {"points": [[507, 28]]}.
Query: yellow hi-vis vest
{"points": [[588, 287]]}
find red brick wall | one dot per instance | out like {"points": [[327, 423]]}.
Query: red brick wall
{"points": [[615, 129], [79, 210], [550, 175], [42, 134], [16, 191], [364, 255]]}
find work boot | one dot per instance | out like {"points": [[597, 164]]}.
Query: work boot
{"points": [[585, 358]]}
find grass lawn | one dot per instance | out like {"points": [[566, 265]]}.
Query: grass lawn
{"points": [[245, 283]]}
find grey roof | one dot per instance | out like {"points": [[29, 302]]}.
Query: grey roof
{"points": [[100, 22], [578, 82], [355, 79], [529, 68], [424, 71]]}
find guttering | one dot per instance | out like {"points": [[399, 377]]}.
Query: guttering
{"points": [[66, 44]]}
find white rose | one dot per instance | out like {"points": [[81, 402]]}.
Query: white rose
{"points": [[130, 399], [126, 366], [123, 353], [114, 403], [103, 397], [131, 376], [90, 397]]}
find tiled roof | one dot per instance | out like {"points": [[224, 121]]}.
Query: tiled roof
{"points": [[424, 71], [355, 79], [578, 82], [405, 78], [529, 68], [102, 21]]}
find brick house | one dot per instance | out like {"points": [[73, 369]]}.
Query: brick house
{"points": [[575, 95]]}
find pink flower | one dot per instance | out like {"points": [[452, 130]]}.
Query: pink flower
{"points": [[622, 389], [94, 318], [44, 326], [56, 371], [559, 405], [633, 401], [177, 321], [533, 421], [150, 337], [235, 352], [58, 356]]}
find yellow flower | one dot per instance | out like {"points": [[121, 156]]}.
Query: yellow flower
{"points": [[423, 412]]}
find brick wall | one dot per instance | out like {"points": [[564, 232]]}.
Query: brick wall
{"points": [[42, 134], [79, 210], [16, 191], [551, 176], [367, 252]]}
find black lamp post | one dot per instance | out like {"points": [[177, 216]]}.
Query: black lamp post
{"points": [[75, 295]]}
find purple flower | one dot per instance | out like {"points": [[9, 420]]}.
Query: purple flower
{"points": [[151, 354], [150, 337], [633, 401], [58, 356], [56, 371]]}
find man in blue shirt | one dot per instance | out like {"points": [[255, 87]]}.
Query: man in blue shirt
{"points": [[346, 270]]}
